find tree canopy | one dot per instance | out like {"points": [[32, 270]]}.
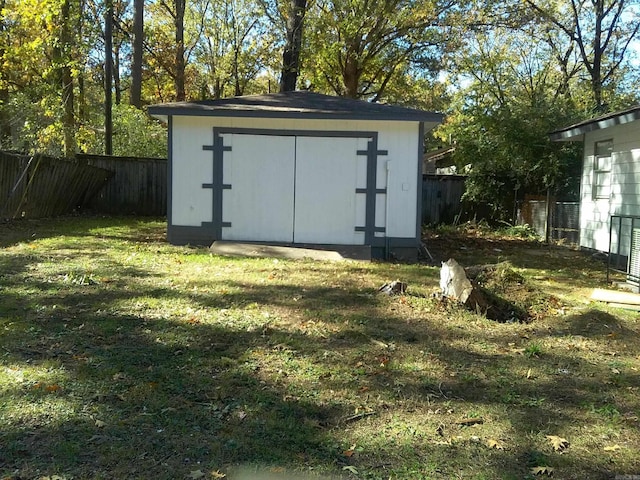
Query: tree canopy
{"points": [[505, 73]]}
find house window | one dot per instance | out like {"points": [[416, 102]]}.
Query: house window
{"points": [[602, 169]]}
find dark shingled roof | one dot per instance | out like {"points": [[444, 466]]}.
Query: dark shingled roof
{"points": [[575, 132], [300, 104]]}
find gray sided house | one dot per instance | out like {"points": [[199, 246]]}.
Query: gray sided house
{"points": [[296, 168], [610, 185]]}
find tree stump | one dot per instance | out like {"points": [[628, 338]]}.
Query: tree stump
{"points": [[455, 285]]}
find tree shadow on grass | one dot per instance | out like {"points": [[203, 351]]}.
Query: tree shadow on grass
{"points": [[129, 405], [131, 229], [141, 405], [139, 396]]}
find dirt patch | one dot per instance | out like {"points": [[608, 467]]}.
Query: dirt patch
{"points": [[507, 295]]}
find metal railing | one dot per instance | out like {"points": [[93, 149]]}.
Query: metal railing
{"points": [[624, 252]]}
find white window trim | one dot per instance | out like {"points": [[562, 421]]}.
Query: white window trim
{"points": [[599, 171]]}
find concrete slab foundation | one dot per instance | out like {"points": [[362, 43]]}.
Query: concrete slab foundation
{"points": [[332, 253]]}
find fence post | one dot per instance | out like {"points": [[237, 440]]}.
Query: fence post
{"points": [[547, 223]]}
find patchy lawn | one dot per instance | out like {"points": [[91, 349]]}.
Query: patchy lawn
{"points": [[124, 357]]}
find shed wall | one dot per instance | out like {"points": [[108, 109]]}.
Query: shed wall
{"points": [[192, 166], [625, 186]]}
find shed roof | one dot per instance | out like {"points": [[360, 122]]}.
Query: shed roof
{"points": [[298, 104], [575, 132]]}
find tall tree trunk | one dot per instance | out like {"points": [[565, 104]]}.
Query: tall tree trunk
{"points": [[5, 126], [179, 59], [291, 53], [596, 67], [116, 74], [69, 112], [351, 76], [81, 99], [108, 79], [236, 77], [62, 55], [135, 94]]}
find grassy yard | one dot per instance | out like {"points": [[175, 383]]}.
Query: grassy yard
{"points": [[124, 357]]}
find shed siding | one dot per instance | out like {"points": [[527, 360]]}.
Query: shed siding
{"points": [[192, 166], [625, 180], [401, 140]]}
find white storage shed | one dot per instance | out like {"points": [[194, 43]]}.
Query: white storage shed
{"points": [[296, 168]]}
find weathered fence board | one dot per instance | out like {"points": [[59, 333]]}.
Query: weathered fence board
{"points": [[13, 179], [40, 186], [441, 198], [564, 223], [138, 186]]}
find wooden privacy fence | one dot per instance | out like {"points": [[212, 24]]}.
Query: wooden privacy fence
{"points": [[41, 186], [138, 186], [559, 221], [441, 198]]}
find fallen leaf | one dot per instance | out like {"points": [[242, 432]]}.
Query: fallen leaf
{"points": [[615, 371], [528, 374], [612, 448], [351, 468], [349, 452], [491, 443], [196, 474], [100, 424], [559, 444], [218, 474], [542, 471]]}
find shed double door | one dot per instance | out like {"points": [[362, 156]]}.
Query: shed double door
{"points": [[293, 189]]}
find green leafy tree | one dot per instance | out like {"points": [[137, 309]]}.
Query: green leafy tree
{"points": [[38, 54], [500, 121], [356, 48], [601, 32], [134, 135], [168, 49], [234, 47]]}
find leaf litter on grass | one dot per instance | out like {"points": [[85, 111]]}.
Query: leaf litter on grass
{"points": [[188, 374]]}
